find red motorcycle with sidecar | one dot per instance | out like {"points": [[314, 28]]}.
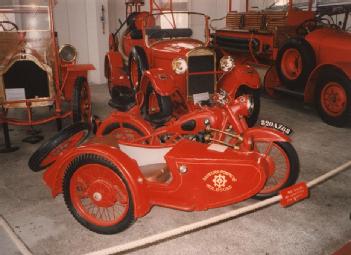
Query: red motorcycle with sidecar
{"points": [[205, 159]]}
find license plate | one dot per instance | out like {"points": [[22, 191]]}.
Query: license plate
{"points": [[277, 126]]}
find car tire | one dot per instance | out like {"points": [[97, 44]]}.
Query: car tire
{"points": [[295, 62], [333, 98], [137, 65], [81, 105]]}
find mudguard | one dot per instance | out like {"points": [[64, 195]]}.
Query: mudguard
{"points": [[125, 117], [239, 76], [114, 68], [265, 135], [161, 81], [341, 67], [104, 147]]}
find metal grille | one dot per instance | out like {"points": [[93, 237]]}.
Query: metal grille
{"points": [[201, 83]]}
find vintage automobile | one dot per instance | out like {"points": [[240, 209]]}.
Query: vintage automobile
{"points": [[35, 72], [166, 54], [306, 46], [114, 178]]}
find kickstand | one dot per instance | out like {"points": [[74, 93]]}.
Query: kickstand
{"points": [[33, 137], [8, 147]]}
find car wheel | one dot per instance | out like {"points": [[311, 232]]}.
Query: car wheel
{"points": [[81, 106], [295, 62], [137, 65], [97, 195], [333, 98], [63, 141]]}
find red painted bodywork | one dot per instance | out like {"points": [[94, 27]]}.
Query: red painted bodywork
{"points": [[332, 47], [160, 56], [63, 77], [244, 169]]}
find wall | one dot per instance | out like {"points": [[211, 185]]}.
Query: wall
{"points": [[78, 23]]}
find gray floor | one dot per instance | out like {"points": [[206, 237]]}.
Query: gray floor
{"points": [[319, 225]]}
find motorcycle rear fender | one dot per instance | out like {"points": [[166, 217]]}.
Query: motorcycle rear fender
{"points": [[161, 81], [241, 75], [105, 148], [125, 117], [265, 135]]}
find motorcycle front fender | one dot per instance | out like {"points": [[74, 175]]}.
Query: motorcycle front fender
{"points": [[263, 135]]}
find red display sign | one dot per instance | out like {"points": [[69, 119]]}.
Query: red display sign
{"points": [[294, 194]]}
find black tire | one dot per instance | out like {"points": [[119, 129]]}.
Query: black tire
{"points": [[164, 103], [308, 60], [291, 154], [81, 92], [256, 95], [84, 160], [107, 72], [36, 160], [138, 56], [343, 117]]}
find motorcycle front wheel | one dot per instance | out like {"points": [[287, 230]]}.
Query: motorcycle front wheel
{"points": [[283, 164]]}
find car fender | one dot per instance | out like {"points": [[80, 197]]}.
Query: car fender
{"points": [[265, 135], [341, 67], [125, 117], [239, 76], [114, 67], [105, 148], [161, 81]]}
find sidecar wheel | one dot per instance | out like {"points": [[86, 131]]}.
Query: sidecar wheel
{"points": [[255, 94], [284, 167], [64, 140], [97, 195], [123, 132]]}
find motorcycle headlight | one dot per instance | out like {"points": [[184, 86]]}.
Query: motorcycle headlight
{"points": [[250, 105], [227, 63], [179, 66]]}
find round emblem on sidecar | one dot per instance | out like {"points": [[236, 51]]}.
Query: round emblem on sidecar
{"points": [[219, 180]]}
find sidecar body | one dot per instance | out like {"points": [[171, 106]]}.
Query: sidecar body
{"points": [[186, 176]]}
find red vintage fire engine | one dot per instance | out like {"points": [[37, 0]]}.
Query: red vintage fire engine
{"points": [[165, 55], [36, 73], [306, 46], [192, 163]]}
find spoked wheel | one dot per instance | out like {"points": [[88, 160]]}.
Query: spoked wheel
{"points": [[333, 97], [97, 195], [63, 141], [123, 131], [283, 166], [8, 26], [81, 101]]}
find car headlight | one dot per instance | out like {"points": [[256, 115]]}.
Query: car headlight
{"points": [[68, 53], [179, 66], [227, 63]]}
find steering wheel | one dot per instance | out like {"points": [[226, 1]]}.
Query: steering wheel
{"points": [[8, 26], [312, 24]]}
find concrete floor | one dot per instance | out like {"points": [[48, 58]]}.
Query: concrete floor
{"points": [[319, 225]]}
